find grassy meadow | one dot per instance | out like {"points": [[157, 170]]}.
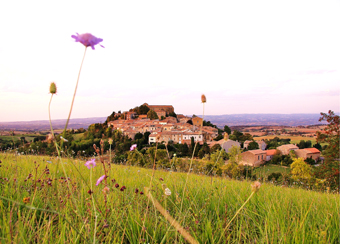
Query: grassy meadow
{"points": [[45, 200]]}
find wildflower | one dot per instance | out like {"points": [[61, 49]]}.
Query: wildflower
{"points": [[101, 178], [167, 192], [53, 88], [26, 199], [136, 190], [87, 40], [122, 189], [110, 141], [116, 185], [133, 147], [161, 179], [142, 193], [203, 98], [106, 190], [255, 186], [90, 164], [90, 191]]}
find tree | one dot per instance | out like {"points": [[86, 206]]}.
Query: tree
{"points": [[253, 145], [317, 146], [152, 114], [173, 114], [227, 129], [329, 170], [300, 170], [302, 144]]}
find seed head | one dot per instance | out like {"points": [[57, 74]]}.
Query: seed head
{"points": [[255, 186], [53, 88], [203, 98], [26, 200], [110, 141], [106, 190], [167, 192]]}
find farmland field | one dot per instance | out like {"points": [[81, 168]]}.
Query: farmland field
{"points": [[45, 200], [294, 139]]}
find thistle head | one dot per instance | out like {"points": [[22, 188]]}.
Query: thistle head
{"points": [[203, 98], [53, 88], [255, 186]]}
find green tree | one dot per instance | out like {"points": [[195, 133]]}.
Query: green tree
{"points": [[253, 145], [227, 129], [302, 144], [300, 170], [173, 114], [215, 148], [329, 170], [143, 109], [152, 114]]}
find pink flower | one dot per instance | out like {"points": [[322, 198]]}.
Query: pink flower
{"points": [[87, 40], [90, 164], [133, 147], [101, 178]]}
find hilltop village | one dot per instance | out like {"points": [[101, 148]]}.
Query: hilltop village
{"points": [[180, 129], [165, 126]]}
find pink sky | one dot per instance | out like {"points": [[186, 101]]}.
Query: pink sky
{"points": [[245, 56]]}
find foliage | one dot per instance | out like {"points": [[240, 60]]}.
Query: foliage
{"points": [[239, 136], [152, 114], [173, 114], [253, 145], [227, 129], [276, 142], [300, 170], [304, 144], [329, 170]]}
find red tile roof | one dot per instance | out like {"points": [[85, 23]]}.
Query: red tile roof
{"points": [[313, 150], [271, 152]]}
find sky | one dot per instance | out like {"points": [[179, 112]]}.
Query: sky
{"points": [[245, 56]]}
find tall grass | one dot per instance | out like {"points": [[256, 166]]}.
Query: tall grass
{"points": [[52, 215]]}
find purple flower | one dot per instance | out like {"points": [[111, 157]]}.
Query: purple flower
{"points": [[133, 147], [100, 180], [90, 164], [87, 40]]}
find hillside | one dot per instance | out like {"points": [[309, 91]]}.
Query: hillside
{"points": [[263, 119], [219, 120]]}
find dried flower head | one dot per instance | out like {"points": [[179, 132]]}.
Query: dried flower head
{"points": [[255, 186], [87, 40], [167, 192], [53, 88], [106, 190], [203, 98], [110, 141]]}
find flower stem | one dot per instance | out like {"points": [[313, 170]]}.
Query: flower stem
{"points": [[74, 95], [238, 211]]}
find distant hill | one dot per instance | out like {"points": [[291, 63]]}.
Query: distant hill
{"points": [[263, 119], [41, 125], [219, 120]]}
